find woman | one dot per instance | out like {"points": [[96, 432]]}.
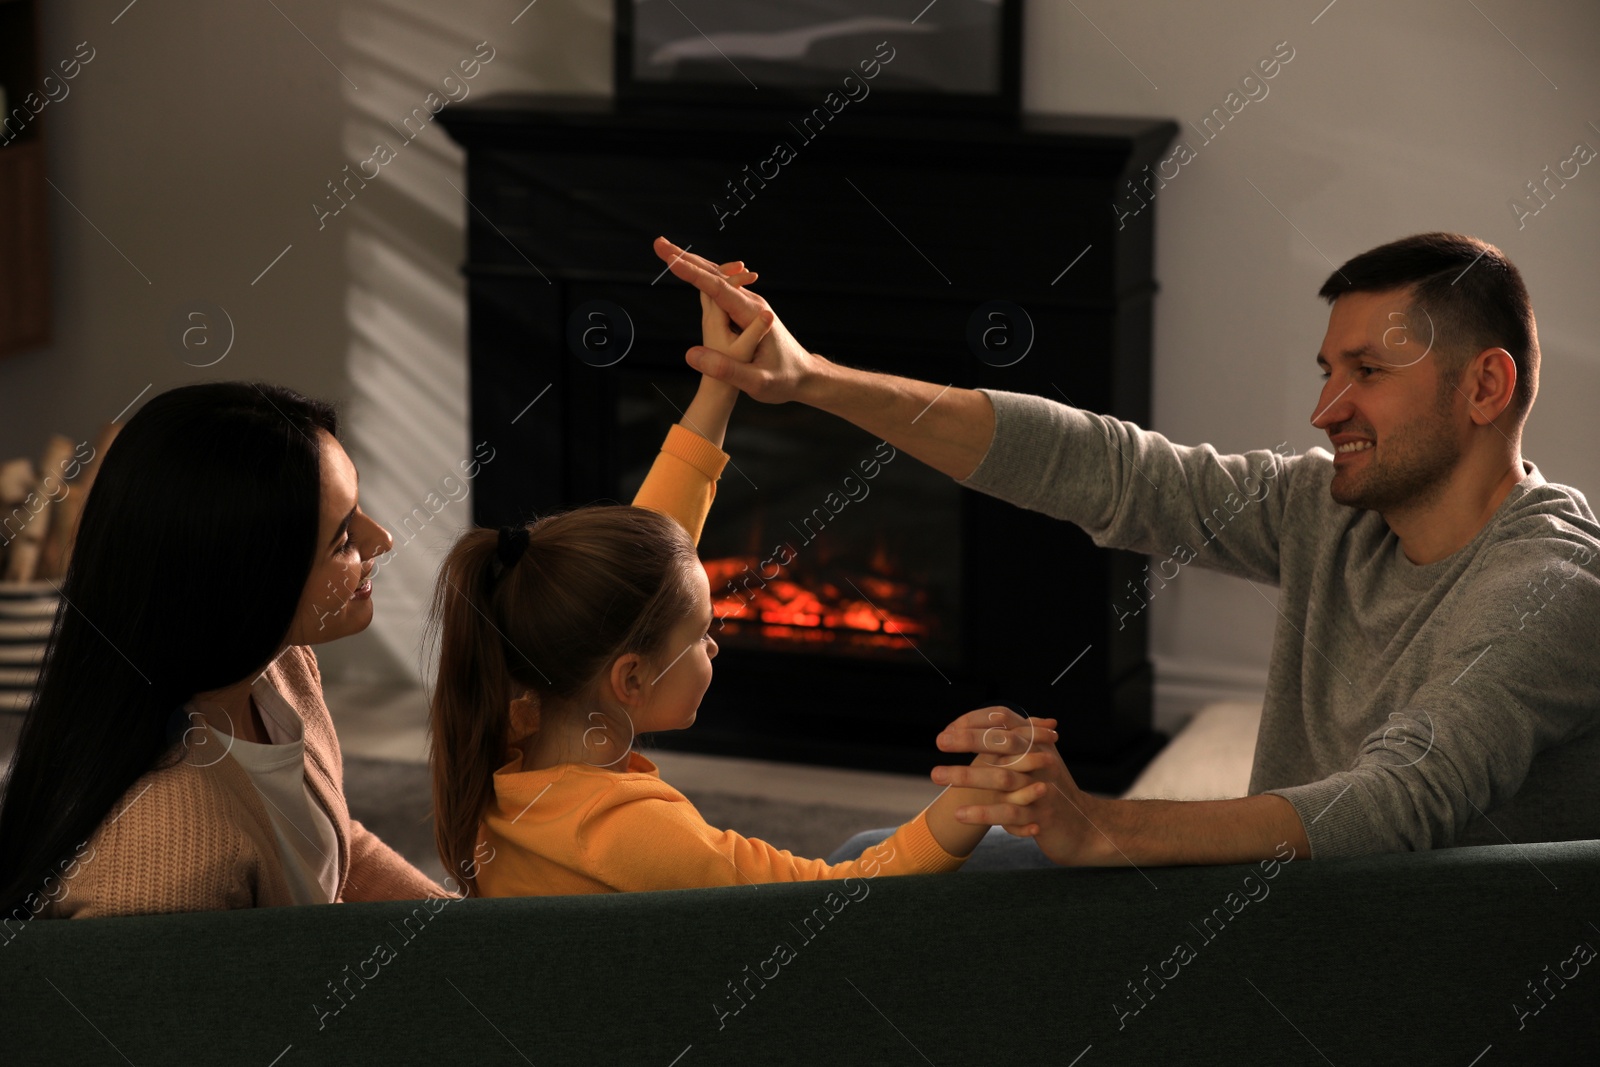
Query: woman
{"points": [[178, 755]]}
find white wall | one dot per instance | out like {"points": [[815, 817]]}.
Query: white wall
{"points": [[1389, 120], [200, 135], [196, 142]]}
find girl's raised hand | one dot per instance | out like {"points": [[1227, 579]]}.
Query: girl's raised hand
{"points": [[707, 415], [736, 275], [718, 331], [780, 369]]}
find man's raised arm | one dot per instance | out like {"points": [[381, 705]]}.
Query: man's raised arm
{"points": [[947, 428], [1126, 487]]}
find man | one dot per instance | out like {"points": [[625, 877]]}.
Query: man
{"points": [[1433, 678]]}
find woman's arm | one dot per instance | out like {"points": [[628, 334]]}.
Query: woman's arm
{"points": [[378, 872], [178, 841]]}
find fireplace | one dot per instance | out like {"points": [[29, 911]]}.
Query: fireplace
{"points": [[817, 543], [863, 599]]}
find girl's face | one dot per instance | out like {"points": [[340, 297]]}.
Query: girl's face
{"points": [[676, 684], [337, 599]]}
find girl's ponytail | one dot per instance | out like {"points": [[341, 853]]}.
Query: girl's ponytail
{"points": [[471, 706]]}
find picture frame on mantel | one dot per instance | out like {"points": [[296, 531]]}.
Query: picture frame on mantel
{"points": [[948, 57], [24, 207]]}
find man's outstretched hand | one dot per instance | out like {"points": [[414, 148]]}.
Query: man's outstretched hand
{"points": [[781, 366]]}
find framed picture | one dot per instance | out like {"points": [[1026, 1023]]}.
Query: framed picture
{"points": [[909, 55]]}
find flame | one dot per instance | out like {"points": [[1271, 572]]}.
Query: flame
{"points": [[786, 610]]}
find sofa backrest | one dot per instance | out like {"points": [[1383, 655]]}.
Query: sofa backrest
{"points": [[1427, 958]]}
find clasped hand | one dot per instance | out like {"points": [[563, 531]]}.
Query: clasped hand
{"points": [[1037, 797], [780, 364]]}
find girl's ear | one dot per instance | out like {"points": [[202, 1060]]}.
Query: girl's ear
{"points": [[626, 679]]}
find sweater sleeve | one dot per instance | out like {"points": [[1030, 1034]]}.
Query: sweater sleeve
{"points": [[1515, 678], [1131, 488], [682, 482], [378, 872], [167, 846], [661, 842]]}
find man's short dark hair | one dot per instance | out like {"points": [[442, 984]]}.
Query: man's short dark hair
{"points": [[1471, 293]]}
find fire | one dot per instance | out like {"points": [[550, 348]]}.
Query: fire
{"points": [[819, 612]]}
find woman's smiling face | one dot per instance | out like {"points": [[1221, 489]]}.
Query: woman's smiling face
{"points": [[337, 599]]}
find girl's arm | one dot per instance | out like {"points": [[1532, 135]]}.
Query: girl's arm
{"points": [[707, 415], [645, 835], [682, 482]]}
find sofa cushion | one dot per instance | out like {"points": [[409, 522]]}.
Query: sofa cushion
{"points": [[1208, 759]]}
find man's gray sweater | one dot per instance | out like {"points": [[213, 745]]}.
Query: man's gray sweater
{"points": [[1407, 707]]}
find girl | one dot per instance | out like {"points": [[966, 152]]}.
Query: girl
{"points": [[177, 755], [563, 639]]}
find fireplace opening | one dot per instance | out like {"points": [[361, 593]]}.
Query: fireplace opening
{"points": [[822, 540]]}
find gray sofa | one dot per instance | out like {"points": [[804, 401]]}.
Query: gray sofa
{"points": [[1467, 957]]}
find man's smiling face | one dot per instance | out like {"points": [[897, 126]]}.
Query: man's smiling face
{"points": [[1388, 403]]}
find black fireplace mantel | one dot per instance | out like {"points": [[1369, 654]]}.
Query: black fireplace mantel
{"points": [[877, 237]]}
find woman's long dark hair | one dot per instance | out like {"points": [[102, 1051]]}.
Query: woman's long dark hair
{"points": [[191, 555]]}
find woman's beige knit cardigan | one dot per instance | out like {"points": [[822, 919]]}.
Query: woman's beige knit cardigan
{"points": [[194, 835]]}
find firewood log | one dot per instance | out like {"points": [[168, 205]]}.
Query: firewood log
{"points": [[17, 481], [28, 550]]}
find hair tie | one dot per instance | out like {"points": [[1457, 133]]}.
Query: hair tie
{"points": [[513, 543]]}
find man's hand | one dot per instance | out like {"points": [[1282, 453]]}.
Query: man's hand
{"points": [[718, 332], [948, 428], [707, 414], [1025, 763], [1078, 828], [781, 366], [990, 784]]}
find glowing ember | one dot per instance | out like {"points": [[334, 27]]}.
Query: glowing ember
{"points": [[875, 614]]}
